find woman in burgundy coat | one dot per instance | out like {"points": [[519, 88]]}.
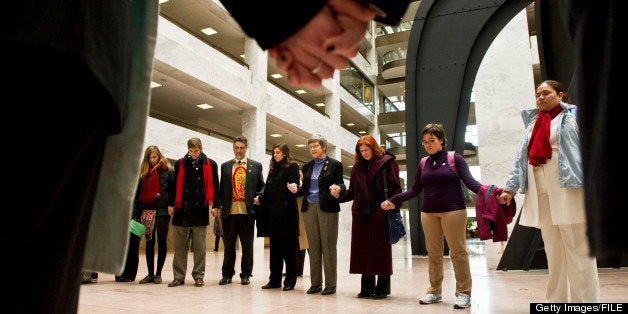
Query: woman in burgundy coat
{"points": [[371, 254]]}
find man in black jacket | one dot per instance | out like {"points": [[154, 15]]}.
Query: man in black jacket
{"points": [[241, 182], [196, 183]]}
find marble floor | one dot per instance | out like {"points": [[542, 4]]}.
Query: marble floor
{"points": [[494, 291]]}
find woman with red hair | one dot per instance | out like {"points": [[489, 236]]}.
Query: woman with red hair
{"points": [[374, 170]]}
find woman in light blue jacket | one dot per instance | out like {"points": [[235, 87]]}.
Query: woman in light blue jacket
{"points": [[548, 170]]}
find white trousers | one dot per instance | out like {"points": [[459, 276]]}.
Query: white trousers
{"points": [[573, 273]]}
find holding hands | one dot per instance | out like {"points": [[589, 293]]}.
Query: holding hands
{"points": [[326, 43], [505, 198], [387, 205], [335, 189], [292, 187], [215, 211]]}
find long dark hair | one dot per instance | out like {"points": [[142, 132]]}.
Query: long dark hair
{"points": [[286, 161]]}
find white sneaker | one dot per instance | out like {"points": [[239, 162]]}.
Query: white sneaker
{"points": [[431, 298], [463, 301]]}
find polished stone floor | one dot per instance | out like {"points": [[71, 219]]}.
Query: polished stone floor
{"points": [[494, 291]]}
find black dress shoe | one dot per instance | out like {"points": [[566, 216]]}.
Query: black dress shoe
{"points": [[366, 294], [288, 287], [329, 290], [380, 296], [224, 281], [270, 285], [381, 293], [313, 290], [122, 279], [245, 281]]}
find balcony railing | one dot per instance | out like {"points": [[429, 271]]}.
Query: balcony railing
{"points": [[357, 85], [399, 54], [387, 30], [396, 140], [393, 104]]}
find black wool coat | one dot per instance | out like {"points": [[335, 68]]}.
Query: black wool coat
{"points": [[278, 214], [193, 211]]}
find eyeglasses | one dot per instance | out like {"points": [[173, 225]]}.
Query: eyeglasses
{"points": [[314, 146], [430, 141]]}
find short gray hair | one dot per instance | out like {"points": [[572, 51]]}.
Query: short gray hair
{"points": [[318, 139]]}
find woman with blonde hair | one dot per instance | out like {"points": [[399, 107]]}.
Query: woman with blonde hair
{"points": [[156, 177]]}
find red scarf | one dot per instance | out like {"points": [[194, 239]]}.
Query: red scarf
{"points": [[151, 188], [209, 184], [539, 148]]}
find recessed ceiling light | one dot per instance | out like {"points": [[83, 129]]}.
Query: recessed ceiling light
{"points": [[350, 124], [300, 91], [362, 132], [162, 1], [242, 56], [208, 31], [350, 166], [205, 106], [320, 104], [276, 76], [275, 135], [300, 145], [154, 84]]}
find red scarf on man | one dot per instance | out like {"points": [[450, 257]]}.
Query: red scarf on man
{"points": [[539, 148], [209, 184]]}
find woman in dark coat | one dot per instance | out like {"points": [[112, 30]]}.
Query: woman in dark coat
{"points": [[279, 208], [371, 254]]}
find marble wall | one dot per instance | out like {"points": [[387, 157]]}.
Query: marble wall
{"points": [[503, 87]]}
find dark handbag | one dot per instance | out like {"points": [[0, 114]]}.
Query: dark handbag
{"points": [[395, 227], [394, 222]]}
